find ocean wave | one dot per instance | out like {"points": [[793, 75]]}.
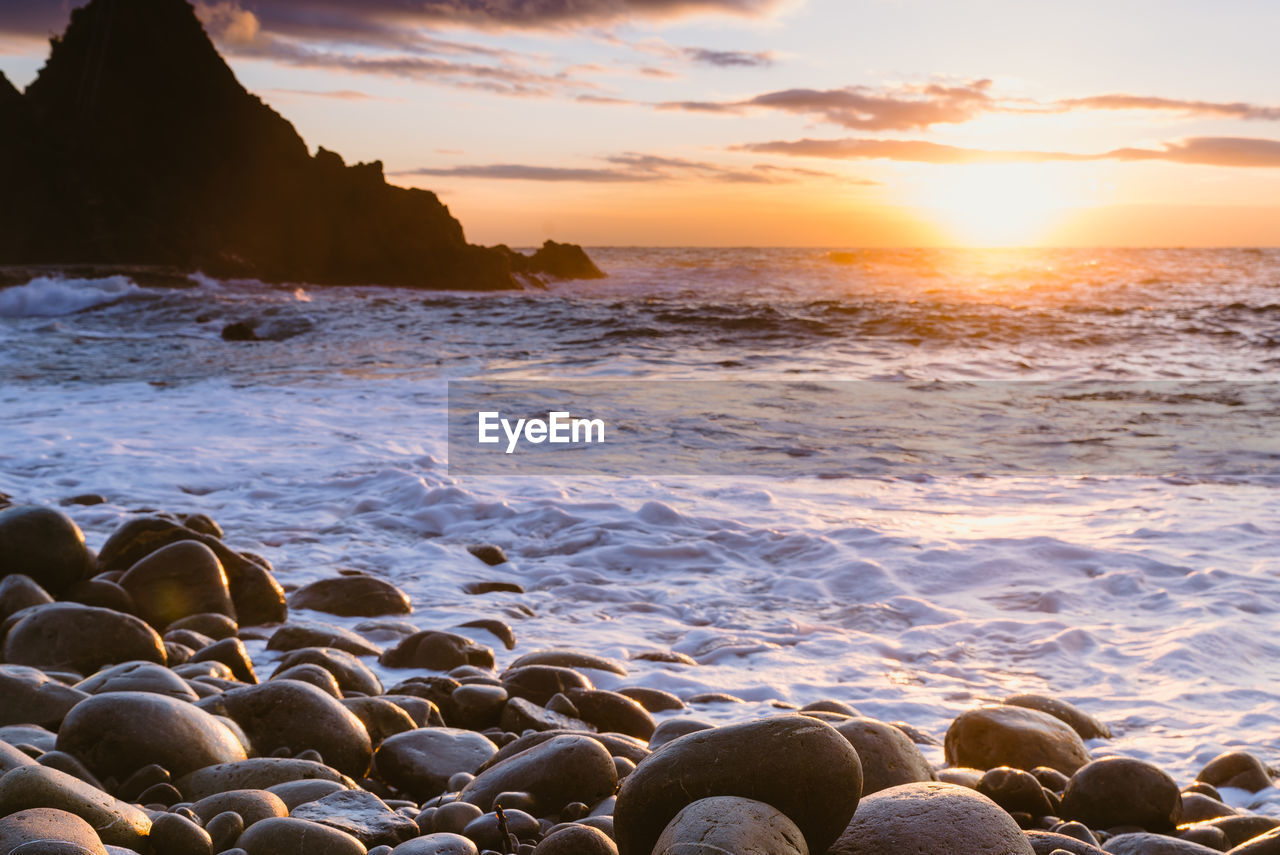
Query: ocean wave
{"points": [[51, 296]]}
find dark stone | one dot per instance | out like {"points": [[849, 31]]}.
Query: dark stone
{"points": [[29, 696], [612, 712], [294, 793], [888, 757], [1015, 790], [86, 499], [569, 659], [1046, 843], [289, 836], [1240, 829], [615, 743], [352, 596], [1119, 791], [138, 677], [26, 734], [1267, 843], [20, 830], [12, 758], [232, 653], [258, 773], [215, 626], [478, 588], [292, 636], [438, 843], [499, 630], [79, 638], [297, 716], [519, 715], [930, 817], [115, 821], [177, 581], [188, 638], [1080, 721], [202, 524], [256, 595], [420, 762], [653, 700], [239, 331], [224, 829], [830, 705], [362, 815], [1197, 808], [486, 829], [381, 717], [674, 728], [488, 553], [117, 733], [438, 651], [42, 543], [174, 834], [64, 762], [313, 674], [575, 839], [18, 591], [539, 683], [352, 674], [477, 706], [250, 805], [1206, 835], [796, 764], [1236, 769], [102, 593], [1013, 736], [668, 656], [728, 824], [1145, 843], [561, 770]]}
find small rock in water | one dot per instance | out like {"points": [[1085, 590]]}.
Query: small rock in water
{"points": [[670, 656], [239, 331], [569, 659], [478, 588], [653, 700], [499, 629], [674, 728], [352, 596], [488, 553], [713, 698], [292, 636]]}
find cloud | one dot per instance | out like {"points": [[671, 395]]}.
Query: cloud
{"points": [[1204, 151], [728, 58], [632, 167], [334, 94], [1208, 109], [858, 107]]}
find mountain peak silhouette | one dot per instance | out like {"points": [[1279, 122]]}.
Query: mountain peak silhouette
{"points": [[137, 145]]}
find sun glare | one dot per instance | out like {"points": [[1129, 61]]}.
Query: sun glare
{"points": [[998, 204]]}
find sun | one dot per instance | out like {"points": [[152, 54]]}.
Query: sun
{"points": [[1007, 204]]}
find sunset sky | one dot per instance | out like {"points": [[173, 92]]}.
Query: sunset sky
{"points": [[754, 122]]}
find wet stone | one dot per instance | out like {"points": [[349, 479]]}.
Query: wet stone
{"points": [[420, 762], [1013, 736], [352, 596], [1122, 791], [362, 815], [437, 651]]}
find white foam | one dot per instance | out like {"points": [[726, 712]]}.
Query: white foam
{"points": [[48, 296]]}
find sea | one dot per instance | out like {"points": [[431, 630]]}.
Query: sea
{"points": [[1146, 590]]}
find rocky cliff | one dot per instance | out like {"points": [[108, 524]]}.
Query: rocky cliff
{"points": [[136, 145]]}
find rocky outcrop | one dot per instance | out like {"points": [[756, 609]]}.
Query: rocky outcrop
{"points": [[136, 145]]}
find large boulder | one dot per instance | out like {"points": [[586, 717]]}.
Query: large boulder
{"points": [[1123, 791], [116, 734], [930, 817], [297, 716], [177, 581], [1014, 736], [44, 544], [798, 765], [69, 636]]}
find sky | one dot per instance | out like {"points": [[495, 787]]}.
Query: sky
{"points": [[835, 123]]}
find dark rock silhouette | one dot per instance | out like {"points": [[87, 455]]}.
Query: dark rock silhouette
{"points": [[136, 145], [561, 260]]}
